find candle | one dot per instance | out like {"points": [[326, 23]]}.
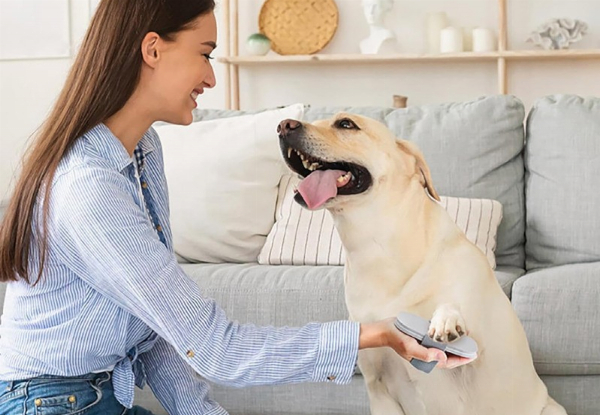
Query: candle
{"points": [[483, 40], [435, 23], [467, 39], [451, 40]]}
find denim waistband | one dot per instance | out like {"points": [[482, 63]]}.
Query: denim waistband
{"points": [[6, 385]]}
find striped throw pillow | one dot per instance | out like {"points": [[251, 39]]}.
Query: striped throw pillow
{"points": [[303, 237]]}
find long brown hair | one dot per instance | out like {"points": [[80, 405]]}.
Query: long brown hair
{"points": [[103, 77]]}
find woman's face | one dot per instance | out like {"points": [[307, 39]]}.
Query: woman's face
{"points": [[184, 70]]}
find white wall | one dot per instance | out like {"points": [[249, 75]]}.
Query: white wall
{"points": [[29, 87]]}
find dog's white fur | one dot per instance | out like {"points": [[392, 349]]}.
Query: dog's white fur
{"points": [[404, 253]]}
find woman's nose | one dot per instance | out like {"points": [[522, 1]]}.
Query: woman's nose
{"points": [[210, 79]]}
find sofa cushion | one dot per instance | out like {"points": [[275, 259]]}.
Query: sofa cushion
{"points": [[285, 295], [560, 310], [297, 399], [474, 150], [223, 177], [562, 171], [577, 394], [273, 295]]}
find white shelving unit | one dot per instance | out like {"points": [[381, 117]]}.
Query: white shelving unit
{"points": [[233, 61]]}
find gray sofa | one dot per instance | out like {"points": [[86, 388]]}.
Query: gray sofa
{"points": [[545, 173]]}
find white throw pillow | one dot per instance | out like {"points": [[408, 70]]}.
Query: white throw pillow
{"points": [[303, 237], [223, 177]]}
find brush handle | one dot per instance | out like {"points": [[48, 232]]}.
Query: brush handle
{"points": [[427, 367]]}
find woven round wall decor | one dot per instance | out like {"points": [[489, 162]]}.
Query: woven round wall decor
{"points": [[298, 27]]}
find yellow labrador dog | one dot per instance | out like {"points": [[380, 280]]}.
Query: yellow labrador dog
{"points": [[404, 253]]}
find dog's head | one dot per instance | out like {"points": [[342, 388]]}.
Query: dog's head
{"points": [[347, 156]]}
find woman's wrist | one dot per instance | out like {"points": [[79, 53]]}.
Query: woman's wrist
{"points": [[372, 335]]}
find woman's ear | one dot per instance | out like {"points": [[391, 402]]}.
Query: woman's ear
{"points": [[422, 166], [150, 50]]}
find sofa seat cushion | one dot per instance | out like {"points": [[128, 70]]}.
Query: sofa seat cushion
{"points": [[296, 399], [579, 395], [286, 295], [560, 310]]}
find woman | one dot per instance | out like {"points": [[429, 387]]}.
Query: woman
{"points": [[96, 300]]}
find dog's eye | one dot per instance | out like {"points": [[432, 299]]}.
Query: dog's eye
{"points": [[347, 124]]}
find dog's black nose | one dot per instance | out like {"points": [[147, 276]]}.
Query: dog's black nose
{"points": [[288, 125]]}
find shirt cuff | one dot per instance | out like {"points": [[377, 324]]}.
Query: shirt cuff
{"points": [[338, 352]]}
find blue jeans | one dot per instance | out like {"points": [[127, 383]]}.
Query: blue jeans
{"points": [[91, 394]]}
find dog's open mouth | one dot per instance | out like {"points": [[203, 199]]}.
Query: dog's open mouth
{"points": [[324, 180]]}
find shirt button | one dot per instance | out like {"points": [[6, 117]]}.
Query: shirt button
{"points": [[159, 228], [331, 377], [38, 402], [144, 185], [190, 354], [72, 399]]}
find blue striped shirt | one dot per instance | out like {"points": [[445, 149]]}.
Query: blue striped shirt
{"points": [[112, 295]]}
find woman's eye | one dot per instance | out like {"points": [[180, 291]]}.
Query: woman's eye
{"points": [[347, 124], [207, 56]]}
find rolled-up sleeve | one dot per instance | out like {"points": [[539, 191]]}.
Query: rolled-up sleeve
{"points": [[107, 239]]}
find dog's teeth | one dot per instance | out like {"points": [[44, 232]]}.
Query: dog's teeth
{"points": [[289, 152], [314, 166], [345, 177], [305, 164]]}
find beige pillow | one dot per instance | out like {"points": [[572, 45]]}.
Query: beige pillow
{"points": [[303, 237]]}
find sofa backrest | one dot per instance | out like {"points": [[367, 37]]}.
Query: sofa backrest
{"points": [[562, 162], [474, 149]]}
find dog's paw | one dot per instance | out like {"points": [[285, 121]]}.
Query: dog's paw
{"points": [[447, 324]]}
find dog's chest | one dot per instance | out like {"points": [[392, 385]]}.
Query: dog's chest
{"points": [[378, 287], [417, 393]]}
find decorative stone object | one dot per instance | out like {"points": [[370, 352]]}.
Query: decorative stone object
{"points": [[558, 33], [381, 40], [258, 44]]}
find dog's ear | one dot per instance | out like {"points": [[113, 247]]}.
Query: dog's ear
{"points": [[422, 166]]}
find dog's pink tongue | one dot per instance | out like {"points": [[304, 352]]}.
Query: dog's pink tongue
{"points": [[320, 186]]}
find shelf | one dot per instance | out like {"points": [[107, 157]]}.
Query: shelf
{"points": [[448, 57], [233, 62], [551, 54], [355, 58]]}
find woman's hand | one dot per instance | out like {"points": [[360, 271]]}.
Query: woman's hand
{"points": [[384, 334]]}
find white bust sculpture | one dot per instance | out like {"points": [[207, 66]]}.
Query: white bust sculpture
{"points": [[380, 40]]}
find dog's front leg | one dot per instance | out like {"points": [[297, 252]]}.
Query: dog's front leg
{"points": [[376, 366], [447, 323], [381, 402]]}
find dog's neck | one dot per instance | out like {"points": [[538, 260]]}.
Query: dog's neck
{"points": [[390, 231]]}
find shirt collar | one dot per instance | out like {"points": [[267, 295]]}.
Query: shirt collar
{"points": [[110, 148]]}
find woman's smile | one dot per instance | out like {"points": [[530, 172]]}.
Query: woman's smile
{"points": [[194, 96]]}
